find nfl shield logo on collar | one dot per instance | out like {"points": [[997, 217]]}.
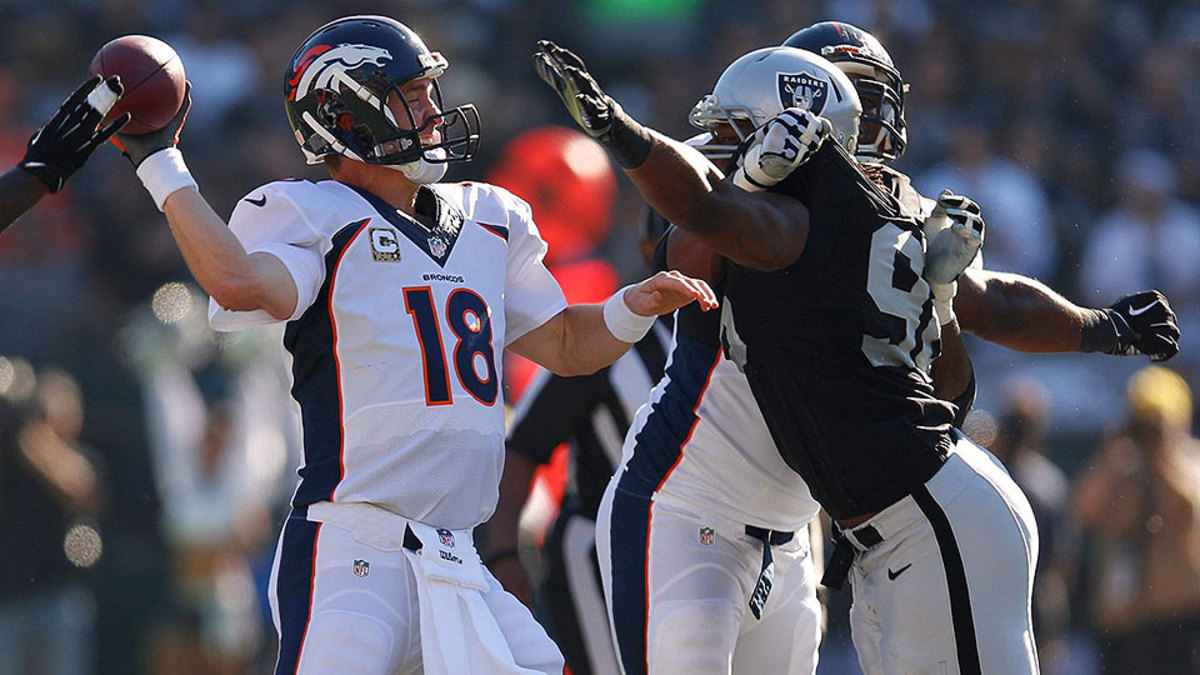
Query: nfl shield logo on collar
{"points": [[707, 536], [446, 537], [437, 246], [361, 568], [801, 90]]}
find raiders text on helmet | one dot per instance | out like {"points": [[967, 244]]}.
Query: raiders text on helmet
{"points": [[759, 85], [337, 87], [880, 88]]}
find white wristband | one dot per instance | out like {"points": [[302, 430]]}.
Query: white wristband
{"points": [[622, 322], [943, 301], [163, 173]]}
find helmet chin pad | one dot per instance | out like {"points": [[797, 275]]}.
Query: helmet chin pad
{"points": [[422, 171]]}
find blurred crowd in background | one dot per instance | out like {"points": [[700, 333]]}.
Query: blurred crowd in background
{"points": [[145, 462]]}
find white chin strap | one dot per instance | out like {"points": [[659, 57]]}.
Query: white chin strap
{"points": [[424, 172]]}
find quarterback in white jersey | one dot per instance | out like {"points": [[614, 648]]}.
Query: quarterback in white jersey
{"points": [[398, 292]]}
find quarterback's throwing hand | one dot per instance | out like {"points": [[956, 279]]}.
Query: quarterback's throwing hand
{"points": [[666, 292], [1145, 324], [785, 142], [138, 147], [954, 234], [567, 75], [66, 140]]}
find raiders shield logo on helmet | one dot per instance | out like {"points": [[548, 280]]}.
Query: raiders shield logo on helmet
{"points": [[801, 90]]}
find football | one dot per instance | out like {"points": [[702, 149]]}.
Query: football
{"points": [[153, 76]]}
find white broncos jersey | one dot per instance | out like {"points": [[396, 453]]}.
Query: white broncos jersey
{"points": [[397, 337]]}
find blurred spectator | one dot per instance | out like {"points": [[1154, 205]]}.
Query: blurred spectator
{"points": [[1020, 444], [1151, 240], [1020, 235], [49, 496], [220, 424], [1140, 501]]}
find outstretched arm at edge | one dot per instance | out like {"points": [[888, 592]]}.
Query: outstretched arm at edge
{"points": [[1019, 312], [19, 191]]}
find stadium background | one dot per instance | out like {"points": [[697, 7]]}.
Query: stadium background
{"points": [[1061, 118]]}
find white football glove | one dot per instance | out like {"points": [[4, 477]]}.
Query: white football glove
{"points": [[954, 233], [785, 142]]}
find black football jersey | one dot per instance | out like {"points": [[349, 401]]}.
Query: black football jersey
{"points": [[837, 345]]}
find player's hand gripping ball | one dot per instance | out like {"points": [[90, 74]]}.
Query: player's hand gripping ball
{"points": [[153, 76]]}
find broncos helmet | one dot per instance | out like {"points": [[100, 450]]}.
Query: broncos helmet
{"points": [[759, 85], [860, 55], [336, 90]]}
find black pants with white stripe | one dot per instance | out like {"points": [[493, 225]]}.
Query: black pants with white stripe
{"points": [[574, 594], [947, 591]]}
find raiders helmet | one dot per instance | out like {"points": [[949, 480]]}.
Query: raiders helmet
{"points": [[882, 135], [759, 85], [337, 87]]}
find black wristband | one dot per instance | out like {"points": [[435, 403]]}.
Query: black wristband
{"points": [[1099, 333], [502, 554], [627, 140]]}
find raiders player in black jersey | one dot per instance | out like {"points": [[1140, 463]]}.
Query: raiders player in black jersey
{"points": [[827, 312]]}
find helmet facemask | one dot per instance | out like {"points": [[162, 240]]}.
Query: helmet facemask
{"points": [[709, 115], [882, 133]]}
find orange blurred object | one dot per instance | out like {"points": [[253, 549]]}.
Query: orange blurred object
{"points": [[569, 182]]}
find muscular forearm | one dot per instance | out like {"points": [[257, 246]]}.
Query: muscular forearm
{"points": [[575, 342], [220, 264], [19, 191], [1017, 312], [752, 230]]}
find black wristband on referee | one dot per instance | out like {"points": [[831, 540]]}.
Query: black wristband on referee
{"points": [[502, 554], [1099, 332], [627, 140]]}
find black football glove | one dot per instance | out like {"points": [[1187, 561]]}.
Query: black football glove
{"points": [[1140, 323], [68, 138], [137, 147], [567, 75], [594, 111]]}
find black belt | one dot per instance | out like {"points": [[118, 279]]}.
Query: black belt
{"points": [[766, 576], [411, 542], [844, 550]]}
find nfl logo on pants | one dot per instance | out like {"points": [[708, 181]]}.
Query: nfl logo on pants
{"points": [[361, 568]]}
